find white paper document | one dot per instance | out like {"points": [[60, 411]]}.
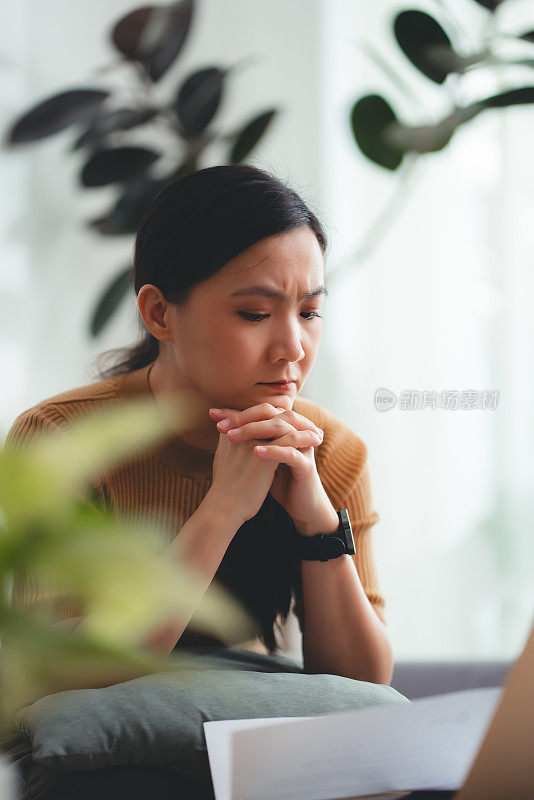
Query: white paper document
{"points": [[427, 744]]}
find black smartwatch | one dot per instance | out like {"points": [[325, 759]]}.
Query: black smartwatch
{"points": [[324, 546]]}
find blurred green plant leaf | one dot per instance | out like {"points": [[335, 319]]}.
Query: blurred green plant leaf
{"points": [[112, 296], [114, 568], [38, 660], [116, 164], [118, 575], [55, 114], [154, 35], [27, 493], [424, 42], [198, 99], [248, 137], [370, 116]]}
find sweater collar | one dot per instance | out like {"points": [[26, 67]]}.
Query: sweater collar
{"points": [[174, 452]]}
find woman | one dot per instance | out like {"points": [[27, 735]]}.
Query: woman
{"points": [[229, 277]]}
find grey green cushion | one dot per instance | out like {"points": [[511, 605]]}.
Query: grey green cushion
{"points": [[158, 719]]}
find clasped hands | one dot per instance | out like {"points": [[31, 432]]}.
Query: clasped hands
{"points": [[290, 439]]}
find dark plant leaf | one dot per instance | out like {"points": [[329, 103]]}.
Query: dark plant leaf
{"points": [[56, 114], [248, 137], [130, 208], [491, 5], [120, 119], [421, 138], [174, 32], [430, 138], [116, 164], [528, 36], [513, 97], [198, 98], [127, 32], [110, 299], [154, 35], [370, 116], [424, 42]]}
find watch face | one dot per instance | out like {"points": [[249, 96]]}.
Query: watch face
{"points": [[347, 532]]}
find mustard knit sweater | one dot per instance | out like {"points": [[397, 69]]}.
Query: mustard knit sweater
{"points": [[172, 479]]}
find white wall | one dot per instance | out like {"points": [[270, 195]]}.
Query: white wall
{"points": [[53, 269], [441, 302]]}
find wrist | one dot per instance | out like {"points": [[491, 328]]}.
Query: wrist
{"points": [[326, 521], [221, 509], [205, 535]]}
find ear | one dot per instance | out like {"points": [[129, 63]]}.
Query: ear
{"points": [[153, 309]]}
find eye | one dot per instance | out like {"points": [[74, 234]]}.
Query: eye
{"points": [[260, 317]]}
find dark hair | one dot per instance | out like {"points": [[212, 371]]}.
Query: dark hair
{"points": [[193, 227]]}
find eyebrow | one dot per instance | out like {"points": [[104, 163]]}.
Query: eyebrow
{"points": [[265, 291]]}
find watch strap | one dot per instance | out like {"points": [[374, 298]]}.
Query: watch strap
{"points": [[324, 546]]}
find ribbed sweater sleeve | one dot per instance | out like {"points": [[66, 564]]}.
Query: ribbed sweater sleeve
{"points": [[342, 464]]}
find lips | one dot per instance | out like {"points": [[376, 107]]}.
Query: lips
{"points": [[282, 387]]}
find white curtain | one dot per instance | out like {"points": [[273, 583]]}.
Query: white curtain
{"points": [[441, 302]]}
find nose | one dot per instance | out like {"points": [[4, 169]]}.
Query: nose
{"points": [[287, 344]]}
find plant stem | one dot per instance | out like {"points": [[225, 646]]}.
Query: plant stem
{"points": [[377, 231]]}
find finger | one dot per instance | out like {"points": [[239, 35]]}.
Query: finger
{"points": [[283, 455], [240, 417], [299, 421], [234, 419], [299, 439], [265, 429], [275, 429]]}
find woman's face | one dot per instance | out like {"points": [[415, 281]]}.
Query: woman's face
{"points": [[230, 339]]}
